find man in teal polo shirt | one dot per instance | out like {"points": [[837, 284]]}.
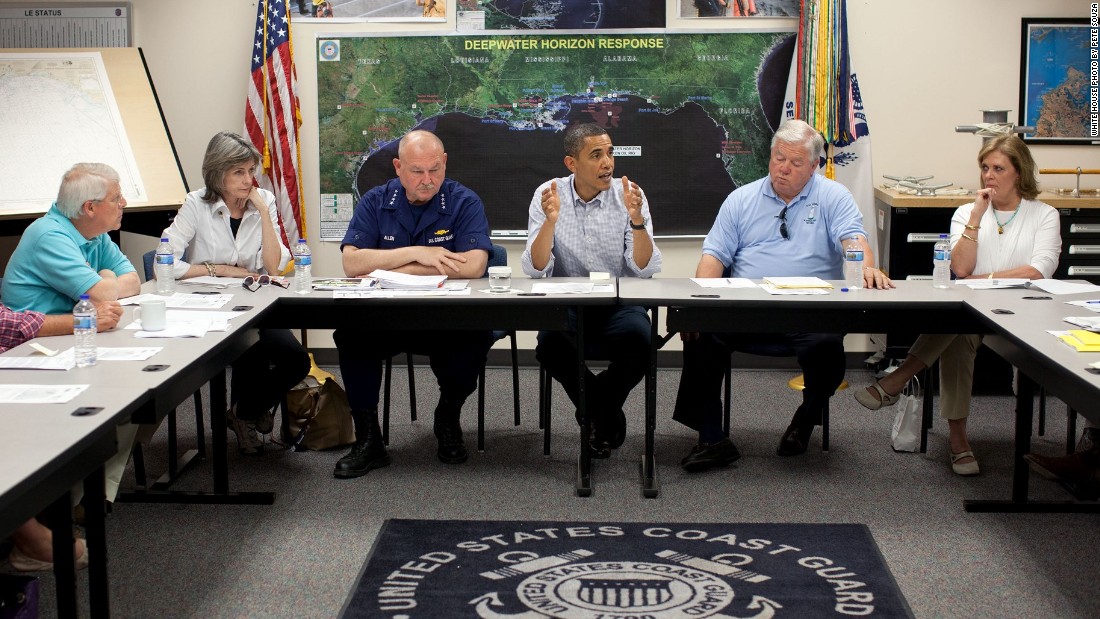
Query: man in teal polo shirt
{"points": [[68, 253]]}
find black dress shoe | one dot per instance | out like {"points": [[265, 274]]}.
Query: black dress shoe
{"points": [[365, 455], [795, 440], [452, 449], [703, 457]]}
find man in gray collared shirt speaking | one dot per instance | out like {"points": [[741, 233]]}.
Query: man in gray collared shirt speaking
{"points": [[591, 222]]}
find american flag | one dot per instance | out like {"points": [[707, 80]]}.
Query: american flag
{"points": [[272, 117]]}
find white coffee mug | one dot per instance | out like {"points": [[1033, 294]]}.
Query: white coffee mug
{"points": [[500, 279], [153, 315]]}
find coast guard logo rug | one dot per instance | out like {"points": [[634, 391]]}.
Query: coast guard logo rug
{"points": [[587, 570]]}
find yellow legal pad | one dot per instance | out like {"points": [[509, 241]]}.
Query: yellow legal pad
{"points": [[1082, 341]]}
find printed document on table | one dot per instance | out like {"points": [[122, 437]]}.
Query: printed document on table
{"points": [[724, 282], [39, 394], [990, 284], [796, 282], [1092, 305], [768, 288], [62, 361], [193, 328], [571, 287], [182, 300], [212, 281], [1057, 286], [210, 321], [1091, 323]]}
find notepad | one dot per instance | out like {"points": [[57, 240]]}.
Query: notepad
{"points": [[797, 282], [1082, 341]]}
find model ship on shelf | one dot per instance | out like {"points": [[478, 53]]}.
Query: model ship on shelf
{"points": [[915, 185]]}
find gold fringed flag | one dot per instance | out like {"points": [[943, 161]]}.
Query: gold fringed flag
{"points": [[822, 90]]}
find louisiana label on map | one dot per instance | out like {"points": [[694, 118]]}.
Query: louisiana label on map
{"points": [[695, 112]]}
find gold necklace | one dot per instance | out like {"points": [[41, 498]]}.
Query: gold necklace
{"points": [[1001, 226]]}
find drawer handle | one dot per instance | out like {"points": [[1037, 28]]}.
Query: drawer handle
{"points": [[1084, 250], [922, 237], [1084, 228], [1083, 271]]}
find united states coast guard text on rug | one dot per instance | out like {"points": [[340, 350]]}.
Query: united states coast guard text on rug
{"points": [[583, 570]]}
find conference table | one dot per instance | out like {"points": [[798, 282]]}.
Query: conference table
{"points": [[39, 467], [911, 308], [1020, 321]]}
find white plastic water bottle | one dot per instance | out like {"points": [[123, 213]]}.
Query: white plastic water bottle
{"points": [[303, 263], [941, 263], [84, 328], [853, 264], [164, 264]]}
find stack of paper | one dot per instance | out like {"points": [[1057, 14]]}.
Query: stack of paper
{"points": [[1082, 341], [402, 281], [1088, 323], [343, 283]]}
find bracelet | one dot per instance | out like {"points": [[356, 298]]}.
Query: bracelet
{"points": [[210, 268], [968, 237], [969, 227]]}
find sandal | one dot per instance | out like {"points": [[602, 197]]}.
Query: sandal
{"points": [[868, 401], [967, 469]]}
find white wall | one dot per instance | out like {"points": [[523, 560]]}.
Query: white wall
{"points": [[924, 67]]}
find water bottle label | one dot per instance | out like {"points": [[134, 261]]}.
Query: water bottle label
{"points": [[165, 259], [941, 254], [854, 255], [303, 261], [84, 322]]}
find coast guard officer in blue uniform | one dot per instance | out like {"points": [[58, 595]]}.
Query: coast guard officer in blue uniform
{"points": [[419, 223]]}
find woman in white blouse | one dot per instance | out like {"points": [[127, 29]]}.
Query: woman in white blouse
{"points": [[229, 229], [1004, 233]]}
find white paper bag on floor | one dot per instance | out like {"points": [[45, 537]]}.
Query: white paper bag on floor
{"points": [[907, 424]]}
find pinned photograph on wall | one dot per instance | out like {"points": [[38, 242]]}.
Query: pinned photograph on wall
{"points": [[345, 11], [739, 8], [477, 15]]}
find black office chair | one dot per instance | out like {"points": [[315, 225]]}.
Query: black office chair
{"points": [[176, 464], [769, 350], [498, 257]]}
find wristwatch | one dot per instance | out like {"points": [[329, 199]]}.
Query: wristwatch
{"points": [[640, 226]]}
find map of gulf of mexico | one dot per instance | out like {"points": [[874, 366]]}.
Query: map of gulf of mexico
{"points": [[691, 115], [1057, 89]]}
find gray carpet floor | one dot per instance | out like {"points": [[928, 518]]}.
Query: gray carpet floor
{"points": [[301, 557]]}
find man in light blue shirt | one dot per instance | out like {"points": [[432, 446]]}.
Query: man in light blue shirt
{"points": [[590, 222], [791, 223]]}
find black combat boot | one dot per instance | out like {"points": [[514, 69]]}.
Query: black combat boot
{"points": [[367, 453], [448, 430]]}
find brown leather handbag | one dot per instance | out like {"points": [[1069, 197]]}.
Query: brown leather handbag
{"points": [[318, 416]]}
